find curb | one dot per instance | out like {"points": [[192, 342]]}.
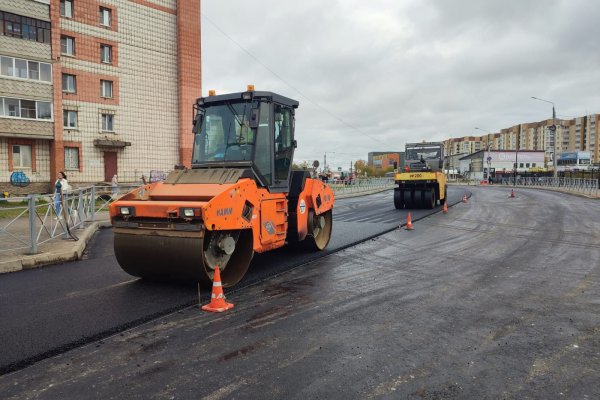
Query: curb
{"points": [[43, 259]]}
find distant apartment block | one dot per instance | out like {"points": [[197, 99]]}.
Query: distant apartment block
{"points": [[95, 88], [577, 134]]}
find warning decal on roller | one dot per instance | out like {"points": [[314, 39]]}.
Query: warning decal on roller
{"points": [[302, 206]]}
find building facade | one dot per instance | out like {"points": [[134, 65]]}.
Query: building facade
{"points": [[498, 162], [385, 161], [96, 88], [577, 134]]}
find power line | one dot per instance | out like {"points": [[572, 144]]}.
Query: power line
{"points": [[286, 82]]}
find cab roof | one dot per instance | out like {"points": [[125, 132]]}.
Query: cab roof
{"points": [[263, 96]]}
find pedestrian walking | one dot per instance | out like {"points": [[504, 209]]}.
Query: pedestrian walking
{"points": [[115, 185], [61, 187]]}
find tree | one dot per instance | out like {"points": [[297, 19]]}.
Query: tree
{"points": [[303, 165], [359, 166]]}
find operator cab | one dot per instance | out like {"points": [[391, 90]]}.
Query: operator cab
{"points": [[424, 156], [248, 130]]}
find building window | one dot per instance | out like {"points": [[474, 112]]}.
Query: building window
{"points": [[21, 156], [106, 88], [20, 68], [66, 8], [108, 122], [45, 72], [30, 109], [70, 119], [105, 16], [67, 45], [12, 107], [24, 27], [69, 83], [106, 53], [72, 158]]}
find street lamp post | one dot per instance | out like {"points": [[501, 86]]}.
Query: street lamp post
{"points": [[553, 129], [487, 148]]}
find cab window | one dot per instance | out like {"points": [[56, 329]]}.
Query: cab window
{"points": [[284, 142]]}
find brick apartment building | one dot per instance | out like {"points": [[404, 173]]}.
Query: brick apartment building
{"points": [[95, 88]]}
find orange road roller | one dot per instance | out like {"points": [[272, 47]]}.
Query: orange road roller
{"points": [[240, 196]]}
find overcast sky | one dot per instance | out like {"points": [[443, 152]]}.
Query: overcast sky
{"points": [[372, 75]]}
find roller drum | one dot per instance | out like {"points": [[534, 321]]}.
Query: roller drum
{"points": [[178, 257]]}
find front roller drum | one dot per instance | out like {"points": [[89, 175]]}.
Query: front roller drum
{"points": [[319, 230], [170, 257]]}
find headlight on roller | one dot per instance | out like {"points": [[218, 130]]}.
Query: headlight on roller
{"points": [[127, 211], [188, 212]]}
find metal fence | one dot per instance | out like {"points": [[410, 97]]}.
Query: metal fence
{"points": [[361, 185], [577, 185], [28, 222]]}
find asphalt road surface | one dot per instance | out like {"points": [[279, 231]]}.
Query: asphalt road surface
{"points": [[46, 311], [499, 298]]}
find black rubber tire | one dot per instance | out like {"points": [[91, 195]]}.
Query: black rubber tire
{"points": [[418, 196], [398, 202], [429, 198], [408, 198]]}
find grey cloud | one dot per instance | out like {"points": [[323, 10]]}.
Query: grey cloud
{"points": [[402, 71]]}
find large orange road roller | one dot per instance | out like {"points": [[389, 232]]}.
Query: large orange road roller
{"points": [[239, 197]]}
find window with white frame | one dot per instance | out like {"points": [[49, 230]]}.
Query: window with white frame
{"points": [[20, 68], [106, 88], [108, 121], [72, 158], [105, 16], [69, 83], [29, 109], [106, 54], [66, 8], [70, 119], [67, 45], [21, 156]]}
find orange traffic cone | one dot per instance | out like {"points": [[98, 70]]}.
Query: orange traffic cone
{"points": [[512, 193], [409, 225], [217, 298], [465, 198], [445, 209]]}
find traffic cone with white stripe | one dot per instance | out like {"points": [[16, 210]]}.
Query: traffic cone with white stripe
{"points": [[409, 225], [217, 298], [465, 198], [512, 193], [445, 209]]}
